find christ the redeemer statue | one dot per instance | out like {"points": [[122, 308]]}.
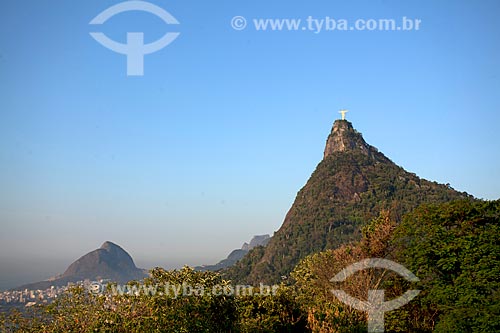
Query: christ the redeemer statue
{"points": [[343, 112]]}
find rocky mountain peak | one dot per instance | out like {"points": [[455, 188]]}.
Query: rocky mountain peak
{"points": [[109, 262], [344, 138], [107, 245]]}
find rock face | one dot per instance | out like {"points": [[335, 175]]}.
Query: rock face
{"points": [[235, 255], [344, 137], [109, 262], [349, 187]]}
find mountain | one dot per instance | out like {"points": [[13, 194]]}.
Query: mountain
{"points": [[235, 255], [259, 240], [109, 261], [349, 187]]}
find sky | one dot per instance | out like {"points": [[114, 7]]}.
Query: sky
{"points": [[210, 146]]}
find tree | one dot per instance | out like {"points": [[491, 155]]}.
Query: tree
{"points": [[314, 273], [454, 249]]}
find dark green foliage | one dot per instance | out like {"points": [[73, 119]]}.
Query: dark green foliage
{"points": [[246, 264], [346, 190], [272, 314], [196, 313], [454, 249]]}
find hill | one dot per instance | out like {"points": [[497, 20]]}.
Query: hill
{"points": [[109, 262], [349, 187]]}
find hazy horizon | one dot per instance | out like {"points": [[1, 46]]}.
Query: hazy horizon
{"points": [[20, 272]]}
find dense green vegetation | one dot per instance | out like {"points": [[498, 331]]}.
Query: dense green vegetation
{"points": [[345, 191], [453, 248], [148, 308]]}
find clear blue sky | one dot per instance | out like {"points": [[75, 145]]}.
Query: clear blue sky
{"points": [[211, 145]]}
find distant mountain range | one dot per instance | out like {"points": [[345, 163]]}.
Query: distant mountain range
{"points": [[349, 187], [109, 262], [235, 255]]}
